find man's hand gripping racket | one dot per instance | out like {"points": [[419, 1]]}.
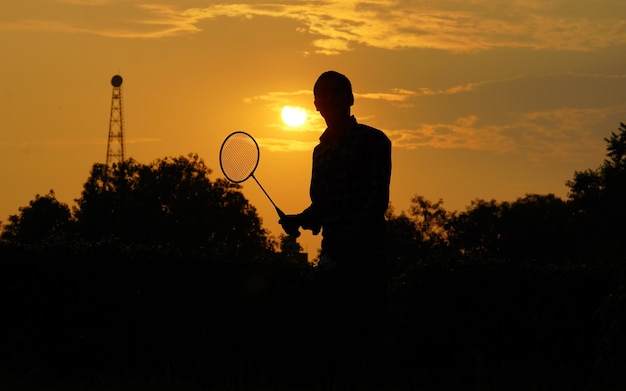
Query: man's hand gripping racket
{"points": [[239, 158]]}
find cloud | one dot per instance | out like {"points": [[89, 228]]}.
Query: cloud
{"points": [[565, 128], [284, 145], [85, 2], [560, 134], [70, 142], [281, 98], [340, 26], [395, 95], [463, 133]]}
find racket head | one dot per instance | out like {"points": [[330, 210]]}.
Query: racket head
{"points": [[239, 156]]}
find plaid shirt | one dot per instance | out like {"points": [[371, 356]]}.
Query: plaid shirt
{"points": [[350, 188]]}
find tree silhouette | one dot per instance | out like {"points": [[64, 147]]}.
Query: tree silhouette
{"points": [[403, 239], [44, 219], [536, 227], [476, 231], [171, 201], [418, 234], [597, 197], [431, 220], [617, 149]]}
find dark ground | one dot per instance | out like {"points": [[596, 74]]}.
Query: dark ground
{"points": [[127, 323]]}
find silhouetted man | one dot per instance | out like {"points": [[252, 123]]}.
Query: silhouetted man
{"points": [[349, 196]]}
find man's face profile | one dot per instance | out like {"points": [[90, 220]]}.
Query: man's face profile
{"points": [[331, 97]]}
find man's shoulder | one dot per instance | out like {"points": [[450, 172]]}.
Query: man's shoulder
{"points": [[374, 133]]}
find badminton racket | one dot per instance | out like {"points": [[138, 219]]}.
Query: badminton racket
{"points": [[239, 158]]}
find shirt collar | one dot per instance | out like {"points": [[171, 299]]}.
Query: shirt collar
{"points": [[335, 134]]}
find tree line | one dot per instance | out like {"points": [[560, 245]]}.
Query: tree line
{"points": [[173, 202], [585, 228], [169, 203]]}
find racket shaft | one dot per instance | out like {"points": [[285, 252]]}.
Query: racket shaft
{"points": [[281, 214]]}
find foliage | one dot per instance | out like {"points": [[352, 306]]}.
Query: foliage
{"points": [[44, 219], [420, 233], [403, 239], [430, 220], [170, 201], [597, 197], [535, 227], [585, 228]]}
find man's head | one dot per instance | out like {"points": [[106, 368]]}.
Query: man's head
{"points": [[333, 96]]}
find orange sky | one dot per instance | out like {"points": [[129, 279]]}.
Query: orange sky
{"points": [[483, 99]]}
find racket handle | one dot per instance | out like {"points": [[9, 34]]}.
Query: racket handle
{"points": [[295, 233]]}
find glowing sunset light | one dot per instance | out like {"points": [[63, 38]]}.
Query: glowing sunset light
{"points": [[293, 116]]}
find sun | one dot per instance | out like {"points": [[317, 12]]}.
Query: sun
{"points": [[293, 116]]}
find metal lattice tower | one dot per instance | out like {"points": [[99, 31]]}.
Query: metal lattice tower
{"points": [[115, 145]]}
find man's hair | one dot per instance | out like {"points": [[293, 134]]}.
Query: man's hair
{"points": [[338, 76]]}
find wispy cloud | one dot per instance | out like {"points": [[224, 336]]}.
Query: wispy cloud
{"points": [[285, 145], [564, 130], [396, 95], [343, 25], [560, 134], [280, 98], [53, 143], [463, 133]]}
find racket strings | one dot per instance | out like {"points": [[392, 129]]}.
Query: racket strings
{"points": [[239, 157]]}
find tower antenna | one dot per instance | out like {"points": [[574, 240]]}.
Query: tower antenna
{"points": [[115, 145]]}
